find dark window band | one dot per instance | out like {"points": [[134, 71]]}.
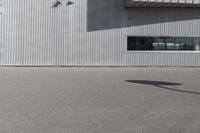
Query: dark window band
{"points": [[163, 43]]}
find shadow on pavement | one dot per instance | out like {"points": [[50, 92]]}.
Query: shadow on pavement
{"points": [[161, 84]]}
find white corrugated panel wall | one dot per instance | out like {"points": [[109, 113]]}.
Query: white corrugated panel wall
{"points": [[90, 33]]}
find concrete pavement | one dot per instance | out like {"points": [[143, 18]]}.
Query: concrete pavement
{"points": [[99, 100]]}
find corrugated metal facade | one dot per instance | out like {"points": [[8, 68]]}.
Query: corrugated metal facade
{"points": [[90, 33]]}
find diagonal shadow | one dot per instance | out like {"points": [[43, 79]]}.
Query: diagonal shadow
{"points": [[162, 84]]}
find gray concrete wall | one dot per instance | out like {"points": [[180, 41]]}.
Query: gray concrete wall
{"points": [[90, 33]]}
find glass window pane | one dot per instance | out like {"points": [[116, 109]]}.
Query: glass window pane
{"points": [[189, 43]]}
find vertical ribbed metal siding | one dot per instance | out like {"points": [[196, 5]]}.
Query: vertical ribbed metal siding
{"points": [[89, 33]]}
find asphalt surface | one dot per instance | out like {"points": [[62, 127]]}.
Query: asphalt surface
{"points": [[99, 100]]}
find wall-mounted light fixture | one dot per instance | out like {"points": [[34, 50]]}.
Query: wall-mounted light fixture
{"points": [[69, 3], [56, 4]]}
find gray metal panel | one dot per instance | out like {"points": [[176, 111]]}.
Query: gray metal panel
{"points": [[89, 33]]}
